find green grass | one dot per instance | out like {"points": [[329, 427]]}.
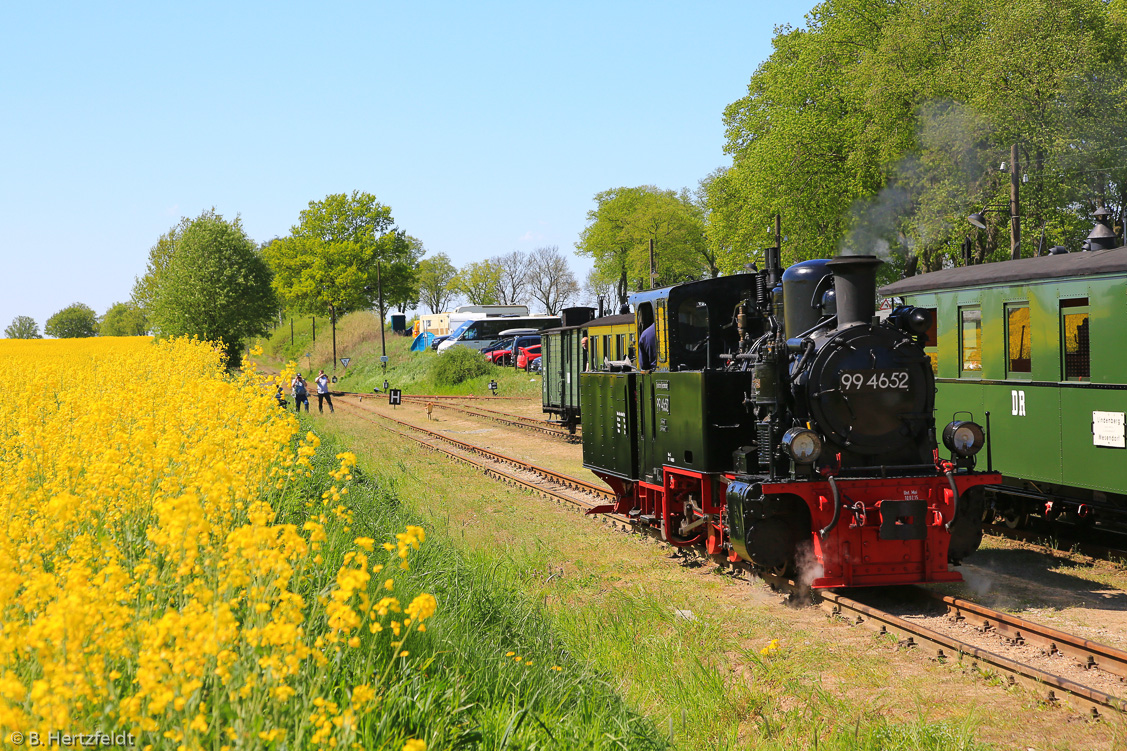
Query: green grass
{"points": [[358, 338], [458, 689], [634, 675]]}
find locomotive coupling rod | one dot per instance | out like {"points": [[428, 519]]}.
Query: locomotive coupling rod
{"points": [[822, 533], [703, 520]]}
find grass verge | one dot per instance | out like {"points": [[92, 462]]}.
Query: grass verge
{"points": [[490, 671], [358, 338]]}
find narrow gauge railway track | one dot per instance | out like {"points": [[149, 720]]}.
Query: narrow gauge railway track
{"points": [[467, 451], [1054, 689], [526, 423], [439, 397]]}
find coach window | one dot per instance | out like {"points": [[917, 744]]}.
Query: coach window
{"points": [[970, 341], [1018, 333], [692, 333], [662, 335], [1074, 340]]}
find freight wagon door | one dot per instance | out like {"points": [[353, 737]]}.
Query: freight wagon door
{"points": [[567, 368], [553, 372]]}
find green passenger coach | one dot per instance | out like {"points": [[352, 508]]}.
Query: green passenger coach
{"points": [[1040, 346]]}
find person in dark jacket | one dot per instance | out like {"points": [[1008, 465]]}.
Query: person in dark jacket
{"points": [[647, 348], [300, 393]]}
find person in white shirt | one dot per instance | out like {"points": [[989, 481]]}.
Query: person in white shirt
{"points": [[323, 392]]}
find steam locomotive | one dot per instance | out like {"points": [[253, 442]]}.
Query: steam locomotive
{"points": [[782, 425]]}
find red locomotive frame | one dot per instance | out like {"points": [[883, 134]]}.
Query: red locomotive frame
{"points": [[851, 552]]}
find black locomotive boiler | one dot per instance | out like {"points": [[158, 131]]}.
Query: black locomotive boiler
{"points": [[782, 425]]}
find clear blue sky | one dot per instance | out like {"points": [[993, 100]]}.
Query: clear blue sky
{"points": [[486, 127]]}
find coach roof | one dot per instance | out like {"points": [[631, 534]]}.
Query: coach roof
{"points": [[1060, 266]]}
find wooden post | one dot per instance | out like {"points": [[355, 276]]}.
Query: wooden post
{"points": [[1015, 218], [379, 290], [653, 266]]}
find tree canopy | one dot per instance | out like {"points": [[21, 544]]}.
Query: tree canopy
{"points": [[328, 264], [72, 322], [23, 327], [436, 282], [478, 282], [214, 285], [883, 123], [124, 319], [619, 230]]}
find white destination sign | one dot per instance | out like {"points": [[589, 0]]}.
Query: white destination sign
{"points": [[1108, 429]]}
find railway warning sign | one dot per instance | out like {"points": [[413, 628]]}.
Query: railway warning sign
{"points": [[395, 397], [1108, 429]]}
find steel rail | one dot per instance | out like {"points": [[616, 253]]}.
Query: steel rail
{"points": [[526, 423], [1053, 688], [559, 477], [461, 449], [1090, 654]]}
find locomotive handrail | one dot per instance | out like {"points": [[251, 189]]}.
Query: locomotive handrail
{"points": [[954, 500], [837, 508]]}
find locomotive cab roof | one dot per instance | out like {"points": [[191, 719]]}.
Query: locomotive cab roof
{"points": [[1039, 268]]}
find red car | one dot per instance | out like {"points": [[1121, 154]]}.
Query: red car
{"points": [[500, 353], [525, 355]]}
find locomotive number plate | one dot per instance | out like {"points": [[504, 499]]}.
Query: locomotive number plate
{"points": [[853, 381]]}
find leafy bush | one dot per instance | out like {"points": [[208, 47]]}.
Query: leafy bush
{"points": [[459, 364]]}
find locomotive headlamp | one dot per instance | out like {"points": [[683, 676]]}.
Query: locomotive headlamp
{"points": [[803, 445], [963, 437]]}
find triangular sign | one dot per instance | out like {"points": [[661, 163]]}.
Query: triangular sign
{"points": [[345, 360]]}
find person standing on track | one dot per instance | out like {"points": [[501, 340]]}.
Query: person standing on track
{"points": [[323, 392], [300, 393]]}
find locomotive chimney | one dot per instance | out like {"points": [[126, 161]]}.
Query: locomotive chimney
{"points": [[855, 282]]}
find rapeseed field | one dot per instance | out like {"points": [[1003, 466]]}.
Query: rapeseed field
{"points": [[155, 577]]}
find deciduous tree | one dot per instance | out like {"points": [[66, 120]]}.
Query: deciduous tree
{"points": [[478, 282], [512, 287], [145, 286], [623, 223], [214, 286], [436, 282], [73, 322], [123, 319], [328, 264], [23, 327], [551, 281]]}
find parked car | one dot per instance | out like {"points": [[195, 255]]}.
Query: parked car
{"points": [[526, 354], [498, 352], [534, 366], [438, 340]]}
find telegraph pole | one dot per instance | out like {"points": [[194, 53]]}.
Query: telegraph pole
{"points": [[379, 291], [1015, 218], [653, 265]]}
